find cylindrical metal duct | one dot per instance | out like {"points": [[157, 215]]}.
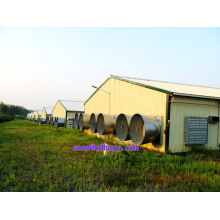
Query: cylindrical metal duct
{"points": [[42, 121], [84, 120], [143, 129], [59, 122], [122, 127], [48, 120], [51, 120], [55, 120], [76, 121], [93, 122], [55, 123], [106, 124]]}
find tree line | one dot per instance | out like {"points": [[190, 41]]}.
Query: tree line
{"points": [[12, 110]]}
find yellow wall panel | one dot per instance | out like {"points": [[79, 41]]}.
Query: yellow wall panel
{"points": [[44, 114], [59, 111]]}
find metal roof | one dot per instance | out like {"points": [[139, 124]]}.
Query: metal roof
{"points": [[48, 110], [77, 106], [174, 88]]}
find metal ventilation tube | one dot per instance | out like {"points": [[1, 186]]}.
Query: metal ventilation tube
{"points": [[76, 121], [54, 121], [51, 120], [84, 120], [42, 121], [106, 124], [48, 120], [122, 127], [59, 122], [93, 122], [144, 129]]}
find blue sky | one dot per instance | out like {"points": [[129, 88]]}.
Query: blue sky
{"points": [[38, 66]]}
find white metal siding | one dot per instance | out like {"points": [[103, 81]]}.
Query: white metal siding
{"points": [[71, 114], [177, 114]]}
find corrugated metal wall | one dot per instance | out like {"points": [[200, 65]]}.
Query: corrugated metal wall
{"points": [[71, 114], [180, 110], [59, 111], [129, 99]]}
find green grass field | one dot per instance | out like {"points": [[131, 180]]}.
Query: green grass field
{"points": [[41, 158], [4, 118]]}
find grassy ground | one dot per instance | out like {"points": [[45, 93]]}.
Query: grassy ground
{"points": [[4, 118], [41, 158]]}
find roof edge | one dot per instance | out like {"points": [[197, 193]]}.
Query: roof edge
{"points": [[143, 85], [61, 104], [69, 100], [196, 96], [97, 90], [132, 82], [67, 109], [184, 84]]}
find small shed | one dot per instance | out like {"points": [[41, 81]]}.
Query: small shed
{"points": [[65, 110]]}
